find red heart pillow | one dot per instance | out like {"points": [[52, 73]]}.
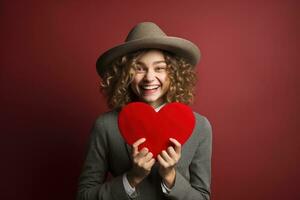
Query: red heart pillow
{"points": [[139, 120]]}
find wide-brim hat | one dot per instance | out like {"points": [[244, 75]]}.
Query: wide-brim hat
{"points": [[147, 35]]}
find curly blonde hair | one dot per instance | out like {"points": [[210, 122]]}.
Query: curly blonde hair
{"points": [[115, 83]]}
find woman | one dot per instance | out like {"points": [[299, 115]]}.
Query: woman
{"points": [[154, 68]]}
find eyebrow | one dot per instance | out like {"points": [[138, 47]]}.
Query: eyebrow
{"points": [[156, 62], [160, 61]]}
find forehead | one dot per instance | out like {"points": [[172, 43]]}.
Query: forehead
{"points": [[151, 56]]}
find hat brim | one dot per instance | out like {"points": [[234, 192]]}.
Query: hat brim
{"points": [[178, 46]]}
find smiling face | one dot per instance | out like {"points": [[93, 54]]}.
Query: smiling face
{"points": [[151, 82]]}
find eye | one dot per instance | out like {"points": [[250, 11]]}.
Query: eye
{"points": [[139, 69], [160, 68]]}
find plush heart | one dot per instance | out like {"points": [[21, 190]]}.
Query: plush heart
{"points": [[139, 120]]}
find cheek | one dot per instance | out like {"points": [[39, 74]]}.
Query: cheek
{"points": [[167, 84], [165, 80], [135, 82]]}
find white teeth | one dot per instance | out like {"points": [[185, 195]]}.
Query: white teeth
{"points": [[150, 87]]}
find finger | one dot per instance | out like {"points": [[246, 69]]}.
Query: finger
{"points": [[166, 157], [144, 158], [177, 145], [172, 153], [162, 162], [135, 145], [139, 159], [150, 163], [144, 161], [148, 157], [143, 152]]}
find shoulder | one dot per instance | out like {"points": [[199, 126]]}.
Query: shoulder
{"points": [[106, 120], [201, 119], [106, 116], [203, 125]]}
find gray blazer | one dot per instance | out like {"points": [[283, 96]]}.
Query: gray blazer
{"points": [[108, 152]]}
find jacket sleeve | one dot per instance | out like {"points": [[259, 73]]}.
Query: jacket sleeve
{"points": [[198, 187], [92, 183]]}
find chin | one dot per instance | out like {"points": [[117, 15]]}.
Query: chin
{"points": [[149, 101], [155, 101]]}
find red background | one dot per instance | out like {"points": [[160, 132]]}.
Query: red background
{"points": [[248, 88]]}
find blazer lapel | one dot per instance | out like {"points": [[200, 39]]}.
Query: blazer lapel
{"points": [[129, 150]]}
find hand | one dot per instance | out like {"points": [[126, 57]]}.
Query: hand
{"points": [[167, 162], [142, 162]]}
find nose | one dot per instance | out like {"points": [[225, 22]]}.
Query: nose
{"points": [[149, 76]]}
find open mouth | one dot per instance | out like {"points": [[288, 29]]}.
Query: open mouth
{"points": [[149, 89]]}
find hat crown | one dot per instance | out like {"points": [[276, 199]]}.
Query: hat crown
{"points": [[144, 30]]}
